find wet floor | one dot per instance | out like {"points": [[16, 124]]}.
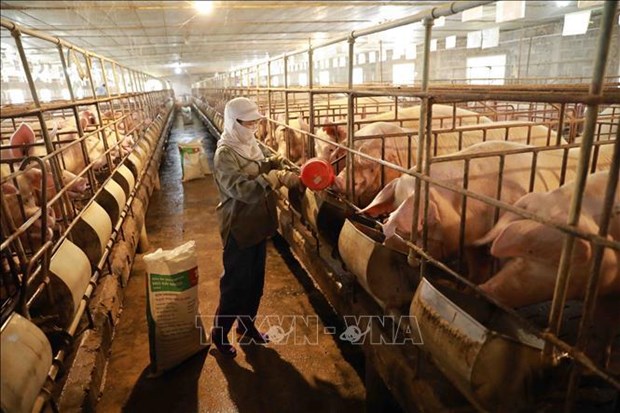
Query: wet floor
{"points": [[316, 373]]}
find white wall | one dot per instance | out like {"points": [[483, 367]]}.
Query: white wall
{"points": [[181, 84]]}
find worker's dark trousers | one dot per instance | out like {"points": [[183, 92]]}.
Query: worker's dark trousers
{"points": [[241, 285]]}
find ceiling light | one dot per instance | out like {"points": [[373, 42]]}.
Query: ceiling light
{"points": [[203, 7], [177, 70], [562, 3]]}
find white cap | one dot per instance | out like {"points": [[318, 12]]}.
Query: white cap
{"points": [[242, 109]]}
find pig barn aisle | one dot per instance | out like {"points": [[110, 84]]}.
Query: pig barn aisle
{"points": [[276, 377]]}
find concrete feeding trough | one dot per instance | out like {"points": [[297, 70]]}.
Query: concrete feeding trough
{"points": [[92, 232], [70, 272], [493, 360], [112, 198], [381, 270], [26, 356], [125, 178]]}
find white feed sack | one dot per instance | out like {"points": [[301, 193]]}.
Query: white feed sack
{"points": [[193, 160], [175, 328]]}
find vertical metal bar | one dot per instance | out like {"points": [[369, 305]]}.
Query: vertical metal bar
{"points": [[559, 294], [309, 140], [427, 172], [533, 171], [380, 59], [463, 218], [500, 180], [105, 79], [286, 89], [589, 304], [124, 80], [350, 184], [558, 138], [116, 82], [428, 26], [22, 56], [63, 62]]}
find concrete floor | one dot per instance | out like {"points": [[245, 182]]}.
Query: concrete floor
{"points": [[317, 377]]}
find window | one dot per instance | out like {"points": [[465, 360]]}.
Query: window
{"points": [[324, 78], [486, 70], [303, 79], [358, 76], [403, 74]]}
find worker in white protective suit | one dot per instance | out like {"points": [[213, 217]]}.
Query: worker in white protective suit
{"points": [[246, 180]]}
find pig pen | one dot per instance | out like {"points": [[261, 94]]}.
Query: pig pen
{"points": [[474, 342], [348, 259], [76, 180]]}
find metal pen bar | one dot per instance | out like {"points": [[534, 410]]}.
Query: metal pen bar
{"points": [[350, 183], [561, 286], [422, 157], [590, 299]]}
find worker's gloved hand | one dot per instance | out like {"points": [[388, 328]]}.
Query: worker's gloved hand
{"points": [[277, 178], [290, 180], [273, 179], [273, 162], [276, 161]]}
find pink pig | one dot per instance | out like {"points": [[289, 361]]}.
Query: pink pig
{"points": [[533, 250], [444, 214]]}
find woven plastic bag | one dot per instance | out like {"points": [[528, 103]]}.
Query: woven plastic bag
{"points": [[191, 155], [175, 328]]}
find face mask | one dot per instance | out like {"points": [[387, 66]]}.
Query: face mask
{"points": [[252, 128]]}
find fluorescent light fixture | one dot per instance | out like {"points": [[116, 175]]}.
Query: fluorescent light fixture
{"points": [[450, 42], [576, 23], [177, 70], [203, 7], [562, 3]]}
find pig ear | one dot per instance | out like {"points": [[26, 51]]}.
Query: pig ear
{"points": [[527, 238], [328, 127], [399, 219], [9, 189], [83, 123], [383, 202], [24, 135], [342, 133], [281, 118], [303, 125]]}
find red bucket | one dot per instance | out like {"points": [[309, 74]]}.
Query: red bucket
{"points": [[317, 174]]}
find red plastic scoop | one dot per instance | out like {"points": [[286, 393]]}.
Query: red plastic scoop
{"points": [[317, 174]]}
